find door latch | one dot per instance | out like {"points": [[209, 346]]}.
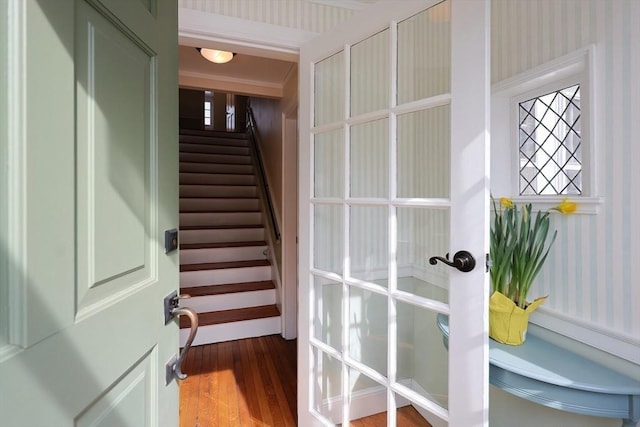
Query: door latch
{"points": [[171, 310]]}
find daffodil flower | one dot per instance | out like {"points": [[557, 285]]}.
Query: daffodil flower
{"points": [[506, 202], [566, 207]]}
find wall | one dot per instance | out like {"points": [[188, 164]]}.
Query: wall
{"points": [[592, 275], [269, 129]]}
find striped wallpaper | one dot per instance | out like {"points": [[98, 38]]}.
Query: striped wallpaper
{"points": [[593, 273], [299, 14]]}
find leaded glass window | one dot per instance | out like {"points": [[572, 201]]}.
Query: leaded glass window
{"points": [[550, 144]]}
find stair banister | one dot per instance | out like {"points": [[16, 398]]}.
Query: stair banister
{"points": [[264, 184]]}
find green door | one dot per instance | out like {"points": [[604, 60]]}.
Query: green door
{"points": [[88, 185]]}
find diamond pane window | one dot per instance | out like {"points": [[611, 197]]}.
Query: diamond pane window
{"points": [[550, 144]]}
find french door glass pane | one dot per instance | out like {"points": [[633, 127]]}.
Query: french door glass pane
{"points": [[328, 238], [328, 164], [422, 233], [424, 54], [329, 89], [368, 328], [423, 153], [422, 359], [370, 74], [327, 387], [328, 312], [369, 159], [369, 242]]}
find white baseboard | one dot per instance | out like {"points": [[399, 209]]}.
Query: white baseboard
{"points": [[372, 401]]}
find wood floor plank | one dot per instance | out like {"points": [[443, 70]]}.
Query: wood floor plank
{"points": [[206, 384], [250, 392], [252, 383], [284, 357], [244, 414], [192, 398], [228, 415], [278, 398]]}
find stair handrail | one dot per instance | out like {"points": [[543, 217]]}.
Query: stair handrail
{"points": [[257, 154]]}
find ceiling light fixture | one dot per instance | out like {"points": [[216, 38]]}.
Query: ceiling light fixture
{"points": [[217, 56]]}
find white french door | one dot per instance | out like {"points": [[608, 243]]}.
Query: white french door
{"points": [[394, 170]]}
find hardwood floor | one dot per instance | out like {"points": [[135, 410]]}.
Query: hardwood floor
{"points": [[252, 383], [407, 416]]}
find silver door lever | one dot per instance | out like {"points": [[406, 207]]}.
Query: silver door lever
{"points": [[172, 309]]}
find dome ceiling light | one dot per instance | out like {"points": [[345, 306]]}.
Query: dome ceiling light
{"points": [[216, 56]]}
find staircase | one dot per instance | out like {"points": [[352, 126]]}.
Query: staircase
{"points": [[223, 262]]}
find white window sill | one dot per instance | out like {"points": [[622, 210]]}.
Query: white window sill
{"points": [[586, 205]]}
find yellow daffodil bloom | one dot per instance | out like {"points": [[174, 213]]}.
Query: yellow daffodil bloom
{"points": [[566, 207], [506, 202]]}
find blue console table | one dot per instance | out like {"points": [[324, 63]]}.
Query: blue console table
{"points": [[549, 375]]}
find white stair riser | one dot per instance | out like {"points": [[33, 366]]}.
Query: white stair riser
{"points": [[234, 142], [233, 331], [186, 147], [215, 168], [226, 205], [220, 218], [225, 276], [218, 191], [201, 256], [227, 159], [232, 301], [216, 178], [222, 235]]}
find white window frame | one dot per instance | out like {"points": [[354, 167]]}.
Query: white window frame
{"points": [[574, 68]]}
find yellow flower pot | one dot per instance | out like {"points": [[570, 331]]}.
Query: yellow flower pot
{"points": [[508, 322]]}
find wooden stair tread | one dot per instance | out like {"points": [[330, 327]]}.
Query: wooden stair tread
{"points": [[221, 265], [236, 315], [222, 245], [218, 212], [215, 173], [219, 185], [219, 197], [215, 163], [199, 291], [213, 133], [192, 211], [220, 227]]}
